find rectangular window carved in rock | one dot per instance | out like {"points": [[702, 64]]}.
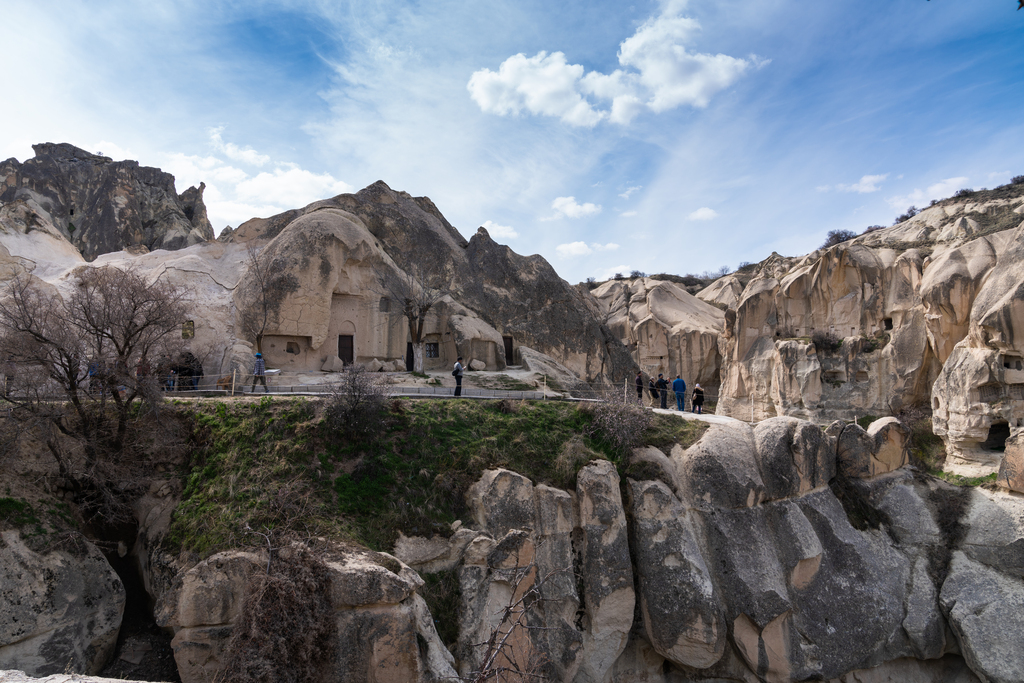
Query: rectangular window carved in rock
{"points": [[432, 350]]}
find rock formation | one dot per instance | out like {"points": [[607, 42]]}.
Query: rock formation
{"points": [[60, 608], [786, 553], [668, 329], [102, 205]]}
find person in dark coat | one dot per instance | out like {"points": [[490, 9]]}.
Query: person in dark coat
{"points": [[653, 389], [698, 399], [640, 387], [259, 373], [662, 385], [457, 373]]}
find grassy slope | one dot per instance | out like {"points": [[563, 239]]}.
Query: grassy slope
{"points": [[272, 465]]}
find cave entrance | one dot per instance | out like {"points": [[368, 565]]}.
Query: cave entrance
{"points": [[346, 348], [998, 433]]}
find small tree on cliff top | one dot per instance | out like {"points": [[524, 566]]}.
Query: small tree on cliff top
{"points": [[417, 290], [267, 289]]}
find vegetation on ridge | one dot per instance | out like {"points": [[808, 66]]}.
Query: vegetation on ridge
{"points": [[273, 465]]}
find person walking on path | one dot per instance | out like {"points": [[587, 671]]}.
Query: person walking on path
{"points": [[698, 399], [457, 373], [652, 389], [679, 388], [662, 385], [259, 373], [640, 387]]}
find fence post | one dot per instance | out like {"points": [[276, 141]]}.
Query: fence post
{"points": [[234, 373], [545, 396]]}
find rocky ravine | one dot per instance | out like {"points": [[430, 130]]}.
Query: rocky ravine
{"points": [[777, 552]]}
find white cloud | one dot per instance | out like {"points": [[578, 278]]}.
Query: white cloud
{"points": [[500, 231], [568, 207], [234, 152], [630, 190], [627, 214], [658, 74], [703, 214], [609, 273], [291, 187], [868, 183], [583, 249], [940, 190], [542, 84]]}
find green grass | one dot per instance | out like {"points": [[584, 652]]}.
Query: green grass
{"points": [[958, 480], [273, 466]]}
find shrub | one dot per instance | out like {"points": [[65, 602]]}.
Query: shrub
{"points": [[1017, 180], [356, 404], [826, 341], [910, 213], [835, 237], [965, 192], [873, 228], [591, 283], [286, 630], [637, 274], [621, 425]]}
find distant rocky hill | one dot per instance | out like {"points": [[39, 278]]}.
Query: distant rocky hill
{"points": [[102, 205]]}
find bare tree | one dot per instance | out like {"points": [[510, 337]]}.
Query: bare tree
{"points": [[266, 290], [508, 653], [94, 350], [417, 290]]}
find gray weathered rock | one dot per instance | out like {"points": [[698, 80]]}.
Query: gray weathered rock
{"points": [[104, 206], [60, 609]]}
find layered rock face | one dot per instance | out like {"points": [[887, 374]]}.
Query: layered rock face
{"points": [[495, 294], [771, 553], [103, 206], [59, 609], [668, 329], [870, 325]]}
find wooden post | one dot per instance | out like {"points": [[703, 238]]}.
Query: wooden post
{"points": [[234, 372], [544, 396]]}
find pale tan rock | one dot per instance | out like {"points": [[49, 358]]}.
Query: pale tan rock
{"points": [[1011, 469], [502, 500], [672, 331]]}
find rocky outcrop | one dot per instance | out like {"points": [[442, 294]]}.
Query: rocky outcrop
{"points": [[384, 629], [60, 608], [780, 553], [102, 205], [667, 328]]}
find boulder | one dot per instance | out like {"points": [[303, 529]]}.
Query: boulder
{"points": [[880, 449], [500, 501], [1011, 468], [663, 464], [60, 609], [985, 609], [366, 597], [683, 617], [721, 469], [333, 364], [607, 574], [477, 365], [793, 456]]}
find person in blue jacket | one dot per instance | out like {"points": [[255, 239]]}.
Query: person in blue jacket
{"points": [[679, 387]]}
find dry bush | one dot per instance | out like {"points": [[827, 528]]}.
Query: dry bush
{"points": [[573, 456], [356, 405], [286, 630], [621, 424], [826, 341]]}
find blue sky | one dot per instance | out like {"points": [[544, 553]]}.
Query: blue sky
{"points": [[661, 136]]}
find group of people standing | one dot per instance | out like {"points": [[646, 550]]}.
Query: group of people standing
{"points": [[660, 389]]}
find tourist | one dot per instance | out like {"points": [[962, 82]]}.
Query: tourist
{"points": [[698, 399], [679, 388], [259, 373], [652, 389], [662, 385], [640, 387], [457, 373]]}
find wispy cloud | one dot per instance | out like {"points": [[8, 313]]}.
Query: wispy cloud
{"points": [[703, 214], [232, 151], [658, 73], [630, 190], [574, 249], [503, 232], [868, 183], [628, 214], [940, 190], [568, 207]]}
